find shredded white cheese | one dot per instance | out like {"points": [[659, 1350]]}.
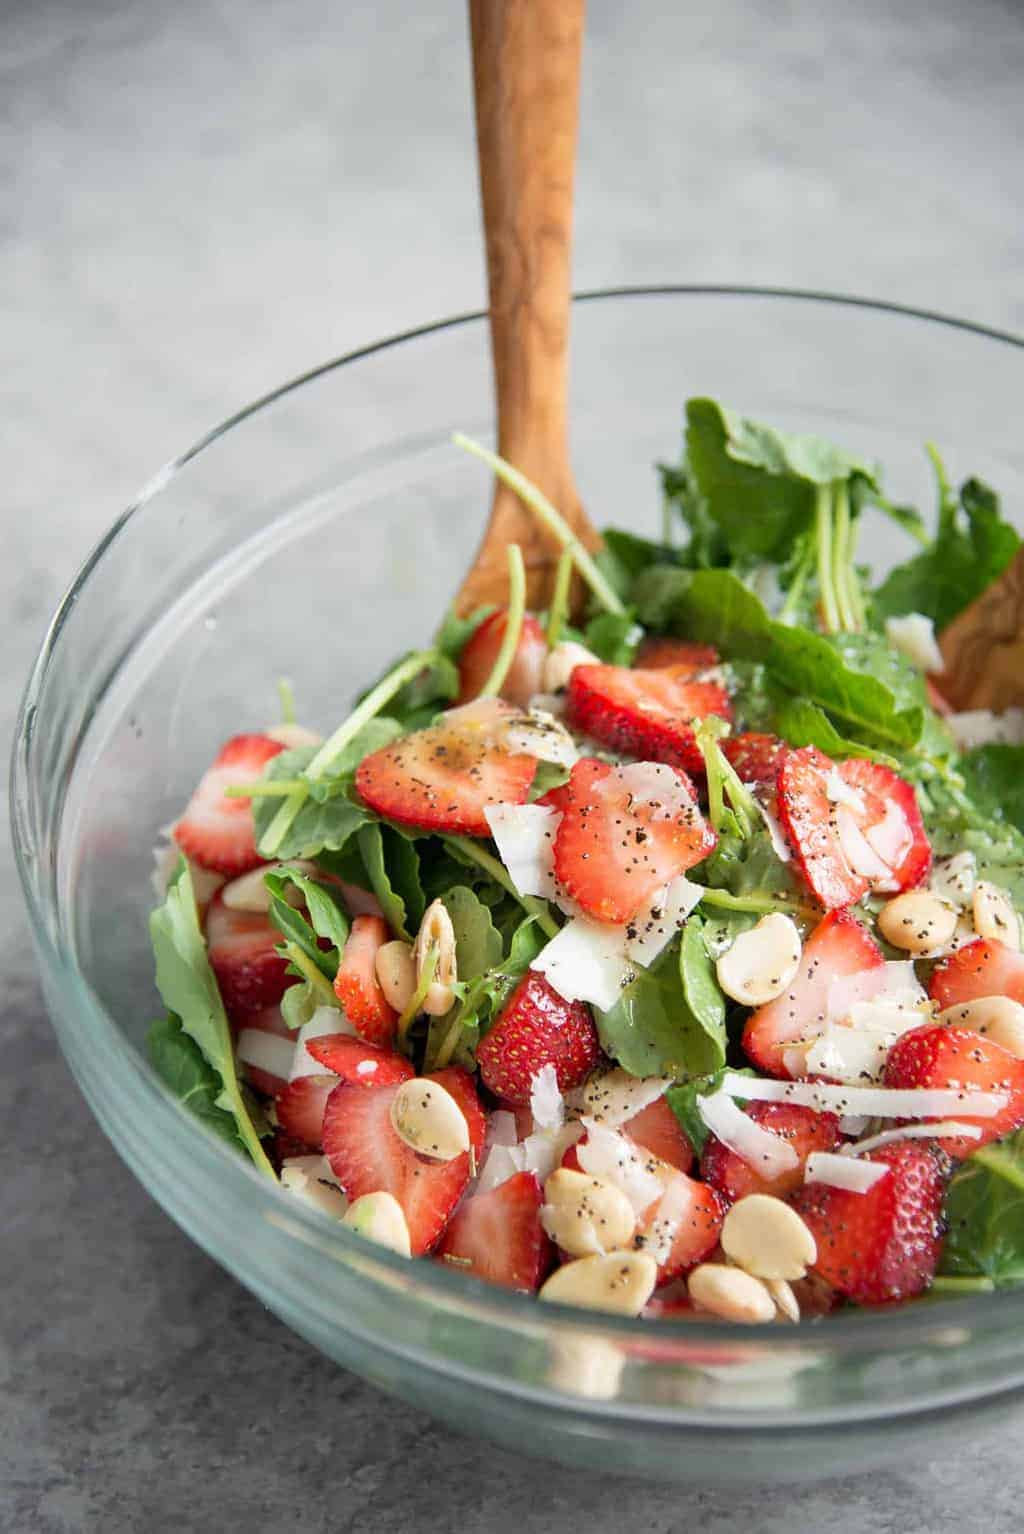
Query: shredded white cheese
{"points": [[766, 1152], [981, 727], [843, 1172], [608, 1154], [546, 1102], [914, 1132], [525, 837], [914, 636], [267, 1052], [878, 1102]]}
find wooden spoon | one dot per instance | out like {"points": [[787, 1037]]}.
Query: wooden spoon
{"points": [[526, 70], [984, 647]]}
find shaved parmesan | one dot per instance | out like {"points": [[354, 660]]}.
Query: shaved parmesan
{"points": [[657, 924], [325, 1023], [766, 1152], [843, 1172], [878, 1102], [499, 1164], [914, 636], [608, 1154], [267, 1052], [614, 1097], [840, 792], [656, 787], [776, 835], [896, 978], [501, 1128], [311, 1179], [891, 837], [542, 1152], [546, 1103], [541, 735], [860, 854], [847, 1054], [661, 1233], [889, 1017], [586, 962], [525, 838], [981, 727], [914, 1132]]}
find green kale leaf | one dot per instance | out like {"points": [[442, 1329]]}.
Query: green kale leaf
{"points": [[327, 917], [994, 778], [985, 1214], [653, 1030], [181, 1066]]}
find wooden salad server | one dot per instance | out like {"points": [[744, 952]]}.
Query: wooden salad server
{"points": [[984, 647], [526, 70]]}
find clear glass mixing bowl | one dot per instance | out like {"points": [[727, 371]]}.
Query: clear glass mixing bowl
{"points": [[316, 535]]}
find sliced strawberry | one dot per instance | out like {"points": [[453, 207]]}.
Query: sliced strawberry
{"points": [[525, 675], [804, 1129], [982, 968], [555, 798], [284, 1146], [364, 1065], [699, 1211], [460, 1084], [875, 840], [216, 831], [644, 713], [904, 843], [884, 1244], [936, 1056], [839, 945], [657, 1130], [367, 1156], [659, 651], [498, 1236], [242, 949], [300, 1108], [755, 757], [625, 833], [266, 1020], [537, 1028], [443, 778], [356, 985]]}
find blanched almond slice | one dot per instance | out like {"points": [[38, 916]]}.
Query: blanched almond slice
{"points": [[562, 661], [292, 735], [953, 878], [585, 1214], [730, 1293], [997, 1017], [759, 965], [994, 916], [767, 1239], [436, 931], [380, 1217], [396, 973], [917, 921], [619, 1282], [250, 893], [427, 1118], [786, 1301]]}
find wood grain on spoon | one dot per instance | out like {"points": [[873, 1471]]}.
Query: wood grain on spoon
{"points": [[526, 64], [984, 647]]}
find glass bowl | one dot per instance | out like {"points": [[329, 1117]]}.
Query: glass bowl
{"points": [[315, 535]]}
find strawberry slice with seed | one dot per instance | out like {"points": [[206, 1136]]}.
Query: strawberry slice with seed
{"points": [[300, 1108], [756, 757], [498, 1236], [839, 945], [218, 832], [891, 803], [625, 833], [802, 1128], [364, 1065], [480, 652], [443, 778], [693, 1211], [367, 1156], [242, 949], [660, 651], [982, 968], [884, 1244], [657, 1130], [937, 1056], [537, 1027], [644, 712], [357, 987]]}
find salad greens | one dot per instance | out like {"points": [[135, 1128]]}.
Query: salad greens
{"points": [[985, 1213]]}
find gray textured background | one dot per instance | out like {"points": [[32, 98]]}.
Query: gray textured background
{"points": [[196, 201]]}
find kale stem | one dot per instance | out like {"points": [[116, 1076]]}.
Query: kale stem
{"points": [[757, 903], [513, 623], [371, 705], [282, 822], [559, 599], [948, 1284], [844, 579], [823, 529], [273, 788], [787, 612], [415, 1003], [552, 520], [286, 693], [309, 971], [498, 872]]}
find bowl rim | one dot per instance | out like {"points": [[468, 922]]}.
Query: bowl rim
{"points": [[850, 1330]]}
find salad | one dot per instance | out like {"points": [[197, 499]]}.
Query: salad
{"points": [[667, 964]]}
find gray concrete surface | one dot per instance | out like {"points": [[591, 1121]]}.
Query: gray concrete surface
{"points": [[201, 199]]}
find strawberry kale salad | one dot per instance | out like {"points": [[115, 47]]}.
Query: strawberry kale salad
{"points": [[665, 964]]}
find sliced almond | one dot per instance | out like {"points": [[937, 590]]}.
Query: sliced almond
{"points": [[379, 1217], [994, 915], [585, 1215], [760, 964], [562, 661], [917, 921], [619, 1282], [436, 932], [953, 878], [426, 1117], [730, 1293], [250, 893], [396, 973], [786, 1301], [767, 1238], [995, 1017]]}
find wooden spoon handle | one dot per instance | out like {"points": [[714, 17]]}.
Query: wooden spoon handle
{"points": [[526, 65], [984, 647]]}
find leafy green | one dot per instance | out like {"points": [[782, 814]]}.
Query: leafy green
{"points": [[455, 631], [706, 547], [455, 1036], [393, 868], [329, 817], [179, 1063], [683, 1102], [327, 917], [478, 945], [955, 824], [613, 637], [804, 724], [994, 779], [189, 990], [701, 990], [626, 555], [972, 547], [652, 1030], [985, 1214], [299, 1002], [714, 606], [548, 775]]}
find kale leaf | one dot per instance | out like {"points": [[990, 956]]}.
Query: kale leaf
{"points": [[994, 778], [985, 1214], [653, 1030]]}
